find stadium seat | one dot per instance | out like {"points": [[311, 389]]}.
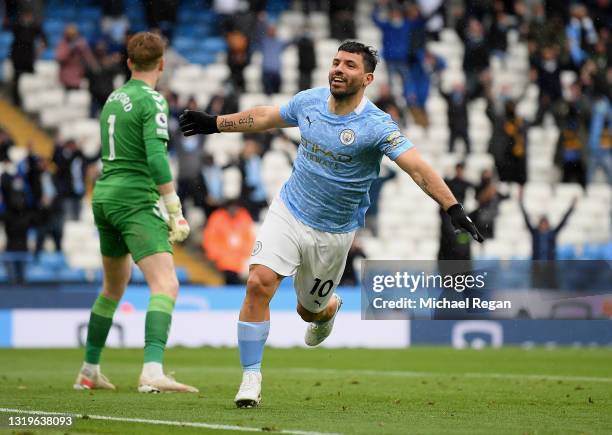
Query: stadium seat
{"points": [[232, 180]]}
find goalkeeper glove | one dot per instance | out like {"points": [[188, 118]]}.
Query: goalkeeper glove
{"points": [[462, 222], [177, 224], [193, 122]]}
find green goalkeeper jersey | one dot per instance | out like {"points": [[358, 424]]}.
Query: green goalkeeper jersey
{"points": [[134, 131]]}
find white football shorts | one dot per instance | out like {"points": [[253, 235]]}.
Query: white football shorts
{"points": [[314, 258]]}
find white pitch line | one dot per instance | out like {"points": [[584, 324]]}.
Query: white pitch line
{"points": [[410, 374], [165, 422], [413, 374]]}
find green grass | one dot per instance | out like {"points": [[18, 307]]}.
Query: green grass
{"points": [[351, 391]]}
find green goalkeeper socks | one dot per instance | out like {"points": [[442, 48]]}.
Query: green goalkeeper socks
{"points": [[100, 322], [157, 327]]}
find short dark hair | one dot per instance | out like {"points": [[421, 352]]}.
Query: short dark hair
{"points": [[369, 54]]}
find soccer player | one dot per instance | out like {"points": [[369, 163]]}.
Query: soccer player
{"points": [[309, 228], [134, 127]]}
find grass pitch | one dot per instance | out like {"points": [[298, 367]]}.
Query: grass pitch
{"points": [[351, 391]]}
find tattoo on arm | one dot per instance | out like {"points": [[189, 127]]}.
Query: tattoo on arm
{"points": [[424, 185], [248, 120], [227, 124], [243, 123]]}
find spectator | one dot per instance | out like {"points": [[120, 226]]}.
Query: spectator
{"points": [[189, 150], [253, 192], [458, 184], [342, 19], [225, 11], [237, 57], [581, 34], [546, 71], [598, 81], [50, 221], [570, 150], [475, 56], [74, 56], [453, 245], [416, 90], [272, 48], [375, 189], [28, 41], [508, 144], [501, 23], [101, 74], [488, 204], [307, 60], [211, 182], [114, 23], [457, 115], [223, 102], [228, 239], [71, 166], [544, 247], [544, 238], [161, 14], [350, 276], [386, 102], [172, 60], [17, 222], [6, 142], [396, 40]]}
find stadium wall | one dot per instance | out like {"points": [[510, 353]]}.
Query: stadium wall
{"points": [[207, 317]]}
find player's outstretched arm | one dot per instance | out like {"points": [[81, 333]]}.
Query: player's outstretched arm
{"points": [[434, 186], [250, 121]]}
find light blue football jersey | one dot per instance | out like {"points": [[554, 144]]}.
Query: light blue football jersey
{"points": [[338, 158]]}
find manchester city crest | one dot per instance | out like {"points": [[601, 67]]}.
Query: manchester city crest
{"points": [[347, 136]]}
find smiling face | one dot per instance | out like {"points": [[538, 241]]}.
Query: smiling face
{"points": [[347, 75]]}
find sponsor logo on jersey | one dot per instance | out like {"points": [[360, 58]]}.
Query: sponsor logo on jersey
{"points": [[347, 136], [394, 139]]}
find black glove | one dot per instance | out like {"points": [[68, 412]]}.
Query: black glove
{"points": [[193, 122], [462, 222]]}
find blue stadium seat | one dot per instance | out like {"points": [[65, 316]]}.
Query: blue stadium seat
{"points": [[48, 54], [182, 275], [90, 14], [214, 45], [53, 28], [52, 260], [62, 13], [137, 276], [39, 273], [566, 252], [200, 57], [71, 275], [184, 44], [6, 39]]}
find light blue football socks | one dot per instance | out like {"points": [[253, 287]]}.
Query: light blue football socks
{"points": [[252, 337]]}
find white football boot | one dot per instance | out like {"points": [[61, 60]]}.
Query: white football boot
{"points": [[249, 393], [163, 384], [92, 380], [317, 332]]}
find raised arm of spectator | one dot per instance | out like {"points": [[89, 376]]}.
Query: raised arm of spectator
{"points": [[524, 212], [569, 211]]}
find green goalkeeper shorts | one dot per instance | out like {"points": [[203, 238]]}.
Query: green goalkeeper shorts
{"points": [[138, 230]]}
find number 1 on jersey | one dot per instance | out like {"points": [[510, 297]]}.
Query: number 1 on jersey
{"points": [[111, 138]]}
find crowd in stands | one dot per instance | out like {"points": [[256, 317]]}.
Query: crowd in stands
{"points": [[560, 36]]}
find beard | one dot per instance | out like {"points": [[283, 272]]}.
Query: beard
{"points": [[351, 87]]}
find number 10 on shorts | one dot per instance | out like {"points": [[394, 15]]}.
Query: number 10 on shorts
{"points": [[322, 289]]}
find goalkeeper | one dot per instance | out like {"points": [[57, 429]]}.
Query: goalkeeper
{"points": [[134, 130]]}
